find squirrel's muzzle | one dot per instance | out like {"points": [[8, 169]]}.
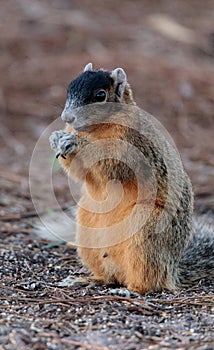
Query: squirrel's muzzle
{"points": [[67, 116]]}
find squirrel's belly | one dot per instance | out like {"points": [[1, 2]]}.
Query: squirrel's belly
{"points": [[101, 235], [112, 246]]}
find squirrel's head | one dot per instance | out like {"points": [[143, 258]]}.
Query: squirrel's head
{"points": [[97, 86]]}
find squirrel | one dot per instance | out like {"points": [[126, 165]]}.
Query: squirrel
{"points": [[141, 241]]}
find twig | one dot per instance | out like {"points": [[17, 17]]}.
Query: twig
{"points": [[12, 217], [11, 231], [188, 300], [28, 214], [85, 345], [71, 301], [73, 342]]}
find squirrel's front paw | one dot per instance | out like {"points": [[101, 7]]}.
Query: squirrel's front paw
{"points": [[63, 142]]}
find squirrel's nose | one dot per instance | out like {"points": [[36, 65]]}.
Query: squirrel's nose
{"points": [[67, 115]]}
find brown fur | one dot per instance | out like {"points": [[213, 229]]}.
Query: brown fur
{"points": [[136, 262], [142, 259]]}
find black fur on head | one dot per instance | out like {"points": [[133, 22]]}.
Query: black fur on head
{"points": [[83, 89]]}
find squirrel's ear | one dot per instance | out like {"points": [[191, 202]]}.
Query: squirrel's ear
{"points": [[120, 80], [88, 67]]}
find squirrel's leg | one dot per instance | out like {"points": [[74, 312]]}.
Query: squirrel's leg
{"points": [[93, 278], [148, 272], [88, 279]]}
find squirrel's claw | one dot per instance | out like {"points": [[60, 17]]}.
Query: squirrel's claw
{"points": [[62, 155], [63, 142]]}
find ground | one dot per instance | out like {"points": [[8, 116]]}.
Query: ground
{"points": [[167, 50]]}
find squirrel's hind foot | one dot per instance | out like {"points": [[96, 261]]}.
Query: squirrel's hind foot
{"points": [[80, 281], [120, 292]]}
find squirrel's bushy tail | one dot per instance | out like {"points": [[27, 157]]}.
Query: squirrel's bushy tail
{"points": [[197, 261], [57, 226]]}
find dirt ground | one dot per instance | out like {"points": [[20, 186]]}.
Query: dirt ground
{"points": [[167, 50]]}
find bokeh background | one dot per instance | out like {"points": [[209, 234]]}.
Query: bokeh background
{"points": [[166, 48]]}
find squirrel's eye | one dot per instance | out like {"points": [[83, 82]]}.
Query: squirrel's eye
{"points": [[100, 96]]}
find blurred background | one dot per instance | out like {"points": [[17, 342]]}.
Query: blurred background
{"points": [[166, 48]]}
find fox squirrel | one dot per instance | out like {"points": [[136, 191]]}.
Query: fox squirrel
{"points": [[137, 240]]}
